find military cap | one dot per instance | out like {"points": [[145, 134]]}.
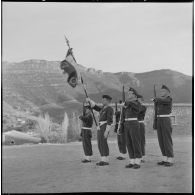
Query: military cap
{"points": [[134, 91], [165, 87], [107, 97]]}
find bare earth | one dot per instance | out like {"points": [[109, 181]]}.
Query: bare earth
{"points": [[47, 168]]}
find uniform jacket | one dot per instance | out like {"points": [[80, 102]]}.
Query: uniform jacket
{"points": [[164, 105], [87, 120], [106, 113], [132, 109], [142, 113]]}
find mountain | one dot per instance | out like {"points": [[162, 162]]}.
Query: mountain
{"points": [[37, 86]]}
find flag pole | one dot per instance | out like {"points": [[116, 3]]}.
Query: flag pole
{"points": [[67, 42], [89, 102]]}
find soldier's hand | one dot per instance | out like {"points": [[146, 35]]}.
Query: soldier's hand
{"points": [[152, 99], [98, 128], [88, 99], [106, 134], [91, 102]]}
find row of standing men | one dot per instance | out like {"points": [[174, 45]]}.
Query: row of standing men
{"points": [[131, 134]]}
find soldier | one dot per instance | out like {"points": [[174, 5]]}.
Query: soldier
{"points": [[131, 127], [141, 116], [105, 121], [86, 133], [121, 140], [164, 127]]}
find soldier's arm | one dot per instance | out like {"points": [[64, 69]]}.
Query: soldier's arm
{"points": [[94, 105], [97, 108], [143, 109], [90, 120], [136, 107], [164, 101], [84, 118], [109, 114]]}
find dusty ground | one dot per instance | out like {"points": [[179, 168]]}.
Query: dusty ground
{"points": [[57, 168]]}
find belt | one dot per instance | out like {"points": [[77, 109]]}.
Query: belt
{"points": [[87, 128], [141, 121], [164, 115], [102, 123], [131, 119]]}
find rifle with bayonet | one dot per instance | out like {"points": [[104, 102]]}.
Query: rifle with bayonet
{"points": [[116, 117], [121, 114], [155, 111]]}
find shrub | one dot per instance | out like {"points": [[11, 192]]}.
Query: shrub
{"points": [[64, 128], [44, 125]]}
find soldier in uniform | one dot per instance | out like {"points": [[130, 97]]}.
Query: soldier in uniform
{"points": [[164, 126], [141, 116], [121, 140], [86, 134], [131, 127], [105, 122]]}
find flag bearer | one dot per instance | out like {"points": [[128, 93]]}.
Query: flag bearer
{"points": [[141, 117], [131, 127], [105, 121], [164, 126], [86, 133]]}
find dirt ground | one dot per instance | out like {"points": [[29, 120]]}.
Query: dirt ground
{"points": [[55, 168]]}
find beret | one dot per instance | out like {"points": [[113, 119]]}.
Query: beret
{"points": [[107, 97], [165, 87], [134, 91]]}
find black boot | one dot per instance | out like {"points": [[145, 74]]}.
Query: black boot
{"points": [[129, 166], [120, 158], [136, 166], [161, 163], [168, 164], [85, 161]]}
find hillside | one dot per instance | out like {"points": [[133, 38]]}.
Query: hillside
{"points": [[36, 86]]}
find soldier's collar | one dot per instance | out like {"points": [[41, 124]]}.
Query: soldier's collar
{"points": [[105, 106]]}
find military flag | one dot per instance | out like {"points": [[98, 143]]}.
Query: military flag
{"points": [[68, 65]]}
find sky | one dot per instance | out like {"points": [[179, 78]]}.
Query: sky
{"points": [[113, 37]]}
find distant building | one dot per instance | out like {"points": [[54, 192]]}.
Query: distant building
{"points": [[91, 70], [100, 72]]}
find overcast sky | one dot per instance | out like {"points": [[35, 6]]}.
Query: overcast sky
{"points": [[113, 37]]}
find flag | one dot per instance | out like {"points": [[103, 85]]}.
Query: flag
{"points": [[68, 65]]}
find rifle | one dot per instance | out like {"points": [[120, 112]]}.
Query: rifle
{"points": [[122, 110], [155, 111], [116, 110], [84, 109]]}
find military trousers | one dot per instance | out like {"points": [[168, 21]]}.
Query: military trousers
{"points": [[121, 139], [86, 141], [133, 139], [102, 141], [143, 139], [164, 132]]}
